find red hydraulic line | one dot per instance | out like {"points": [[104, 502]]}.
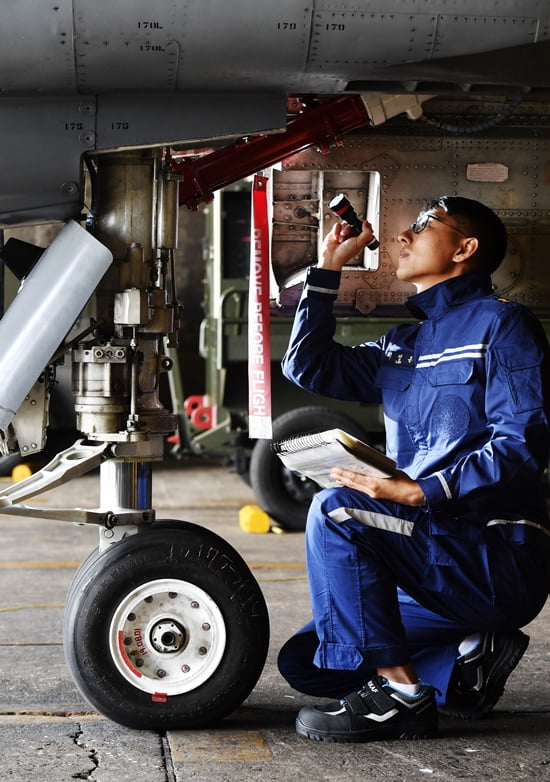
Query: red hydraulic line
{"points": [[322, 125]]}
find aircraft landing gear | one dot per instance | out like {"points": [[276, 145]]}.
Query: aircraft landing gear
{"points": [[166, 629], [165, 626]]}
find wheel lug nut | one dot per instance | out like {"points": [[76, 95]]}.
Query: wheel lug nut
{"points": [[206, 626], [172, 595], [185, 668], [127, 641], [131, 617], [194, 604], [202, 649], [139, 662], [161, 673]]}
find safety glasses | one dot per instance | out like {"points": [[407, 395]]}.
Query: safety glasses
{"points": [[423, 221]]}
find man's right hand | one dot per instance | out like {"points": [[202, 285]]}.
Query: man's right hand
{"points": [[342, 244]]}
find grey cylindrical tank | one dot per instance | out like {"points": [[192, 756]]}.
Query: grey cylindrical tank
{"points": [[45, 308]]}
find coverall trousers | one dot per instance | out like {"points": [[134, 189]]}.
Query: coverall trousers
{"points": [[390, 583]]}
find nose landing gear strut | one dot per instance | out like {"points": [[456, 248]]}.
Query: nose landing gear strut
{"points": [[165, 626]]}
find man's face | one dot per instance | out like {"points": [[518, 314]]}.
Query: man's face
{"points": [[433, 254]]}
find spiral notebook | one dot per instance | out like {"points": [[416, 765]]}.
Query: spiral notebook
{"points": [[314, 455]]}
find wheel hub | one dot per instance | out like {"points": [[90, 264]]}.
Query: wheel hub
{"points": [[167, 636]]}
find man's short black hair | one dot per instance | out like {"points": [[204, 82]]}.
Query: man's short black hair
{"points": [[476, 219]]}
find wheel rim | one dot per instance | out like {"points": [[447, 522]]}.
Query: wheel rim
{"points": [[167, 637]]}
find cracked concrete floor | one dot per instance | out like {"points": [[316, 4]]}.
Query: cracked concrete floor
{"points": [[49, 732]]}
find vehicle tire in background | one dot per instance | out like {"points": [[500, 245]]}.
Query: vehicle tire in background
{"points": [[283, 494]]}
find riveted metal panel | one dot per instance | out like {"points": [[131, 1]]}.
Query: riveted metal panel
{"points": [[121, 121], [36, 46], [109, 46], [414, 169], [350, 40], [295, 221], [41, 143], [182, 45], [134, 46], [249, 43], [479, 30], [455, 7]]}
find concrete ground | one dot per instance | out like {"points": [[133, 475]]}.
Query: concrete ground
{"points": [[49, 732]]}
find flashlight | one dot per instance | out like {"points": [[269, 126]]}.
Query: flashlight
{"points": [[341, 207]]}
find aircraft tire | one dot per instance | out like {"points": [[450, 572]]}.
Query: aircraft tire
{"points": [[167, 629], [283, 494]]}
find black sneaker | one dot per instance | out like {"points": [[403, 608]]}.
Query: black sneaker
{"points": [[376, 712], [482, 673]]}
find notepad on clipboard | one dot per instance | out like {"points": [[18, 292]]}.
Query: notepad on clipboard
{"points": [[314, 455]]}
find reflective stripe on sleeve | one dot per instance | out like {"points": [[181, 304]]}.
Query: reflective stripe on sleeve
{"points": [[319, 289], [444, 485]]}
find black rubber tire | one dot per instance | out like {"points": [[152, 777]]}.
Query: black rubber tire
{"points": [[283, 494], [166, 552]]}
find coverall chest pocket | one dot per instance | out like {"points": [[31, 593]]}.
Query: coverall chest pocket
{"points": [[451, 373], [393, 380]]}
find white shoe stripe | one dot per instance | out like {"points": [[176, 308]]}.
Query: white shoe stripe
{"points": [[380, 717]]}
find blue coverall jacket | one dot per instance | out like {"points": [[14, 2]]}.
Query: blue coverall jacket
{"points": [[462, 393]]}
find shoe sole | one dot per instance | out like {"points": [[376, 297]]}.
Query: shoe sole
{"points": [[509, 657], [403, 731]]}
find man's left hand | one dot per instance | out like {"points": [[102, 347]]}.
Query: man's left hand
{"points": [[399, 488]]}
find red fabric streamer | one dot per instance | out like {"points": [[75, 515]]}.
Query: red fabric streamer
{"points": [[259, 347]]}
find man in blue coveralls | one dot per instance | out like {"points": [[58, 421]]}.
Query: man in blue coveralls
{"points": [[420, 582]]}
